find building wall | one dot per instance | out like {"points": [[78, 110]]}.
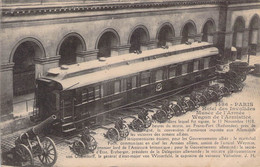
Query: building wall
{"points": [[48, 30]]}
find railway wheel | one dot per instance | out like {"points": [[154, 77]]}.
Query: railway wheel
{"points": [[147, 122], [91, 145], [49, 152], [78, 147], [113, 134], [160, 116], [25, 155], [137, 125], [124, 132]]}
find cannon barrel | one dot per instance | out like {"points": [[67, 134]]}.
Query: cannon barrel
{"points": [[37, 129]]}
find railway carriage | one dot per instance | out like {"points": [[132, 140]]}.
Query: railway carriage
{"points": [[82, 93]]}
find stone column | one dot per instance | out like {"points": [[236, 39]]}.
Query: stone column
{"points": [[198, 37], [176, 40], [89, 55], [7, 91], [245, 43], [42, 65], [120, 50]]}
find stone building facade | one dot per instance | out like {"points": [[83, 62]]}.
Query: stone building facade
{"points": [[38, 36]]}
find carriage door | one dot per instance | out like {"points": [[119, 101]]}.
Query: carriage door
{"points": [[67, 104]]}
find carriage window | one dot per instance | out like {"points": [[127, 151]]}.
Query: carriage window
{"points": [[124, 84], [108, 88], [97, 92], [172, 72], [88, 94], [184, 68], [178, 70], [145, 77], [131, 83], [190, 67], [134, 82], [117, 87], [201, 64], [206, 62], [159, 75], [196, 66]]}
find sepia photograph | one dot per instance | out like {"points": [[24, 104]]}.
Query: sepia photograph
{"points": [[130, 83]]}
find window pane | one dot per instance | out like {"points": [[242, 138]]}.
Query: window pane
{"points": [[117, 86], [201, 64], [172, 72], [97, 92], [184, 68], [134, 82], [196, 66], [159, 75], [91, 94], [206, 62], [145, 78]]}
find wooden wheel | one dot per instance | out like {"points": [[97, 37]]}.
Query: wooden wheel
{"points": [[214, 95], [113, 134], [78, 147], [147, 122], [137, 125], [191, 104], [125, 131], [160, 116], [92, 144], [49, 152], [25, 155], [177, 109]]}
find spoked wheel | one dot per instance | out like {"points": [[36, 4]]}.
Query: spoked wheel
{"points": [[113, 134], [185, 105], [137, 125], [92, 144], [225, 91], [177, 109], [214, 96], [49, 152], [147, 122], [170, 113], [78, 147], [25, 155], [191, 105], [203, 100], [160, 116], [124, 132]]}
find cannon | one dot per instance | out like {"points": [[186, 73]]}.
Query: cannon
{"points": [[29, 145], [142, 121], [84, 143]]}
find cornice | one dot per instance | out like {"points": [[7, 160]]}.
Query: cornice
{"points": [[40, 10]]}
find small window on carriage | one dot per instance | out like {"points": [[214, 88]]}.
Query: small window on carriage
{"points": [[133, 82], [84, 95], [196, 65], [172, 72], [97, 92], [159, 75], [91, 94], [201, 64], [184, 68], [178, 70], [117, 87], [190, 67], [206, 62], [145, 78]]}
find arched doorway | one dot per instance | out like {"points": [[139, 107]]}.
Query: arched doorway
{"points": [[69, 47], [138, 38], [238, 34], [166, 33], [208, 30], [253, 35], [188, 32], [106, 43], [24, 67]]}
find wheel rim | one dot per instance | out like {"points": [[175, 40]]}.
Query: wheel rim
{"points": [[92, 144], [124, 132], [161, 116], [49, 152], [25, 155], [78, 147], [147, 122], [138, 125], [113, 134]]}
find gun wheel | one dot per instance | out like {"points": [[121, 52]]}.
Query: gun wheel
{"points": [[49, 152], [113, 134], [78, 147], [25, 155], [92, 144], [137, 125], [125, 131]]}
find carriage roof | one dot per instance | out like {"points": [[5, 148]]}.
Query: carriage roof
{"points": [[97, 65], [130, 69]]}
